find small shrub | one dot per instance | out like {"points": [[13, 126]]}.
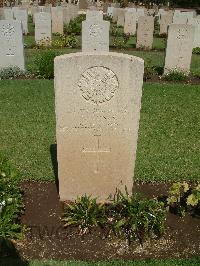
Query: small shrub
{"points": [[150, 71], [43, 43], [86, 213], [108, 18], [10, 201], [13, 73], [80, 18], [127, 216], [196, 50], [44, 64], [196, 73], [121, 42], [137, 217], [184, 197], [116, 31], [66, 41], [175, 76], [73, 28], [72, 41]]}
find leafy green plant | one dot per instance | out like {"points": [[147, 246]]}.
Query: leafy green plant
{"points": [[73, 27], [11, 204], [177, 197], [108, 18], [86, 213], [43, 43], [137, 217], [127, 216], [196, 73], [194, 198], [13, 73], [196, 50], [116, 31], [184, 197], [121, 42], [150, 71], [69, 41], [44, 64], [175, 76]]}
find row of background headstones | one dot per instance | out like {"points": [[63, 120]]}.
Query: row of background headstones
{"points": [[95, 37], [127, 18]]}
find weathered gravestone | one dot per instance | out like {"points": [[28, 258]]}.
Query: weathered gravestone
{"points": [[165, 20], [11, 44], [196, 23], [98, 99], [34, 10], [69, 12], [130, 23], [94, 15], [22, 15], [43, 28], [145, 32], [57, 20], [8, 14], [95, 35], [115, 14], [179, 48], [1, 13], [120, 17], [140, 12], [180, 19], [110, 11]]}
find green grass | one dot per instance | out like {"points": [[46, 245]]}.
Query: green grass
{"points": [[152, 58], [168, 262], [168, 147]]}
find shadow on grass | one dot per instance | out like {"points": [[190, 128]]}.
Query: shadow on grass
{"points": [[53, 151], [9, 256]]}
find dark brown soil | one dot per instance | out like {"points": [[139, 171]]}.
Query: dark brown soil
{"points": [[48, 239]]}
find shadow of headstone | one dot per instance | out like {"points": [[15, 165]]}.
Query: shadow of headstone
{"points": [[9, 256], [53, 151]]}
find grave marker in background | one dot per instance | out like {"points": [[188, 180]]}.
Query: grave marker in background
{"points": [[11, 44], [179, 48]]}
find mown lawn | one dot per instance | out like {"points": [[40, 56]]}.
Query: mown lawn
{"points": [[168, 147], [169, 262], [151, 58]]}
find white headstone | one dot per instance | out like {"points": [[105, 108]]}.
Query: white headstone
{"points": [[94, 15], [110, 11], [43, 28], [11, 44], [95, 35], [130, 23], [165, 20], [145, 32], [8, 14], [22, 15], [121, 17], [140, 13], [179, 48], [57, 20], [196, 23], [98, 100]]}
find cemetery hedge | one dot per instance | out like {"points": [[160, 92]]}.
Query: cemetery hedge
{"points": [[168, 147]]}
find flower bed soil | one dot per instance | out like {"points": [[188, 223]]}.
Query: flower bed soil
{"points": [[47, 239]]}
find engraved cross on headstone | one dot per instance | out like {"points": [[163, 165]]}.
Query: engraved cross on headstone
{"points": [[98, 151]]}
